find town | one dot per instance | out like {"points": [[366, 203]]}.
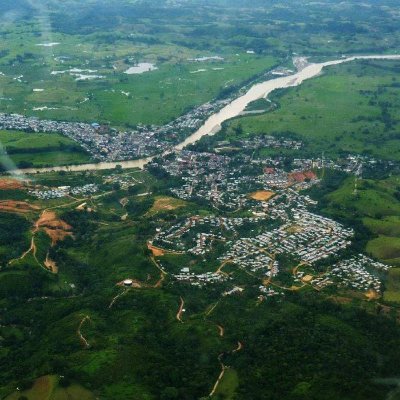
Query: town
{"points": [[104, 143], [275, 218]]}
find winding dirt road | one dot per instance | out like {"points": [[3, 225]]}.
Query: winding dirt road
{"points": [[82, 339], [180, 311], [114, 300]]}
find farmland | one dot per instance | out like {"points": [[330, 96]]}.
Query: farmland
{"points": [[74, 69], [39, 149]]}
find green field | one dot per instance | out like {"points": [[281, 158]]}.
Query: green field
{"points": [[374, 198], [47, 388], [39, 149], [387, 226], [228, 385], [385, 248], [125, 33], [392, 292], [351, 108], [376, 207]]}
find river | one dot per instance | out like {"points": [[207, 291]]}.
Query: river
{"points": [[213, 124]]}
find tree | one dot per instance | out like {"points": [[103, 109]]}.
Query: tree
{"points": [[170, 393]]}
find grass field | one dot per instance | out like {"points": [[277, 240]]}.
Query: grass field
{"points": [[387, 226], [228, 385], [47, 388], [39, 149], [392, 292], [374, 198], [350, 108], [385, 248], [377, 206], [164, 203]]}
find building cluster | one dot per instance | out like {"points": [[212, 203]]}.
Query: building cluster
{"points": [[268, 291], [263, 141], [225, 182], [191, 121], [308, 236], [248, 256], [210, 177], [123, 180], [200, 280], [196, 235], [101, 142], [357, 273], [64, 191], [305, 235]]}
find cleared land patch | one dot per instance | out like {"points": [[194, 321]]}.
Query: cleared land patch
{"points": [[19, 207], [261, 195], [54, 227], [11, 184], [47, 388], [26, 149], [165, 203]]}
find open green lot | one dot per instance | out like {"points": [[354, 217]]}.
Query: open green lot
{"points": [[39, 149], [374, 208], [228, 385], [392, 292], [386, 248], [47, 388]]}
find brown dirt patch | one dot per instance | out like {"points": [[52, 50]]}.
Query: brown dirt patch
{"points": [[11, 184], [81, 207], [157, 252], [294, 229], [261, 195], [50, 264], [54, 227], [50, 220], [20, 207], [302, 176], [166, 204], [372, 295], [307, 278]]}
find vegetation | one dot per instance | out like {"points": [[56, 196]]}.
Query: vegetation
{"points": [[38, 149], [77, 330], [392, 293]]}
